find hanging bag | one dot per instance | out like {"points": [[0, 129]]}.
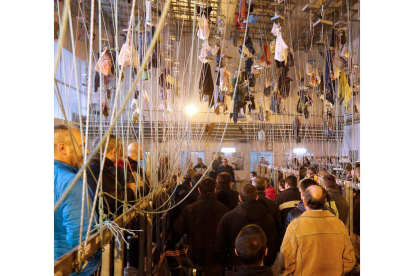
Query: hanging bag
{"points": [[104, 63], [127, 54]]}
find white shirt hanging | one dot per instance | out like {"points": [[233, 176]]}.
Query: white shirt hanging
{"points": [[203, 28], [281, 49]]}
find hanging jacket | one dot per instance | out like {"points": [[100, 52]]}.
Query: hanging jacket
{"points": [[68, 215], [206, 84], [329, 83], [246, 212]]}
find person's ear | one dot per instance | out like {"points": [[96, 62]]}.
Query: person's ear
{"points": [[62, 148], [191, 184], [198, 188], [266, 252], [257, 197], [237, 254], [240, 198]]}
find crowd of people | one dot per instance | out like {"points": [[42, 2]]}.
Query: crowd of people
{"points": [[297, 227]]}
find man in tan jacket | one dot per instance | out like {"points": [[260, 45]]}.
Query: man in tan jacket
{"points": [[317, 242]]}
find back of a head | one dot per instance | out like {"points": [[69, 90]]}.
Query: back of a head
{"points": [[189, 173], [329, 182], [251, 245], [305, 183], [254, 174], [259, 183], [312, 170], [112, 144], [61, 135], [292, 181], [248, 193], [133, 150], [302, 173], [223, 180], [315, 197], [196, 178], [282, 183], [348, 167], [279, 175], [207, 186]]}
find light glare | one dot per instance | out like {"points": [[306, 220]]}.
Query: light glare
{"points": [[191, 109], [228, 150]]}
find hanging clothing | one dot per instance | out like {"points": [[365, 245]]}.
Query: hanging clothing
{"points": [[205, 52], [243, 10], [344, 91], [281, 49], [329, 83], [225, 80], [206, 84], [203, 28]]}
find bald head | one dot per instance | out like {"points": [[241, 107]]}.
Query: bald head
{"points": [[133, 150], [315, 197]]}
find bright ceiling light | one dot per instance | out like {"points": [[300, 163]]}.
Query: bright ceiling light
{"points": [[299, 150], [191, 110], [228, 150]]}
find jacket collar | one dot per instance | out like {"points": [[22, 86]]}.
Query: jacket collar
{"points": [[207, 197], [65, 165], [320, 214], [296, 189]]}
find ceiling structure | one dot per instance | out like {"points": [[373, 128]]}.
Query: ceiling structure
{"points": [[298, 16]]}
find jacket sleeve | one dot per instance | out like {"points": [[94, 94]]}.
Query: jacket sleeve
{"points": [[222, 241], [278, 218], [288, 250], [348, 257], [288, 220], [71, 211], [272, 242], [233, 179]]}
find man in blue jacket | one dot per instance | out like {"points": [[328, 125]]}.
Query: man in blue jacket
{"points": [[68, 158]]}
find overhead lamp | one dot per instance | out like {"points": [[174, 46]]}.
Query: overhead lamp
{"points": [[191, 110], [228, 150], [299, 150]]}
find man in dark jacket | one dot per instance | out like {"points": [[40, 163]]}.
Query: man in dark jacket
{"points": [[226, 168], [329, 183], [110, 186], [188, 185], [249, 211], [259, 183], [287, 200], [198, 222], [225, 195], [136, 178], [200, 167], [251, 249]]}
